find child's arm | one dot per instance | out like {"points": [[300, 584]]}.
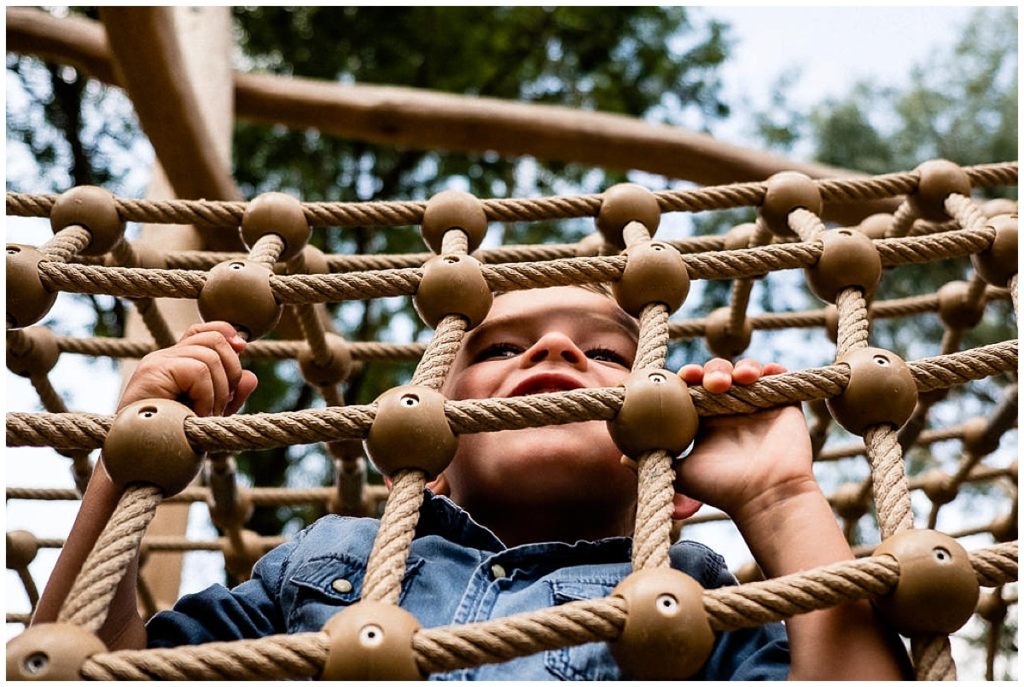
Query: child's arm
{"points": [[757, 468], [204, 367]]}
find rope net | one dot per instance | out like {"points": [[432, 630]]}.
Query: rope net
{"points": [[954, 226]]}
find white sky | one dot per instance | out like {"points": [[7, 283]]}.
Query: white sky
{"points": [[834, 46]]}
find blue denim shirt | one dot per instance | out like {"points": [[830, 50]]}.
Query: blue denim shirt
{"points": [[458, 572]]}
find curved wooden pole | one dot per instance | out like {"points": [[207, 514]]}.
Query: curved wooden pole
{"points": [[145, 47], [424, 119]]}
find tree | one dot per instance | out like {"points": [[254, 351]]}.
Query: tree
{"points": [[612, 59]]}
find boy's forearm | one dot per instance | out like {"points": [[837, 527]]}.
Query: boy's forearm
{"points": [[123, 628], [798, 533]]}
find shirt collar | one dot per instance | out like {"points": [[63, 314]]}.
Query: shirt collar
{"points": [[439, 515]]}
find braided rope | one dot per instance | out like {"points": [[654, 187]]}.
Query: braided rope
{"points": [[441, 649], [273, 430], [89, 599], [588, 621]]}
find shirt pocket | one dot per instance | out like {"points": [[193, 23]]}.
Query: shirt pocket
{"points": [[323, 585], [590, 661]]}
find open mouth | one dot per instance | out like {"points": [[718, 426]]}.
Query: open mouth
{"points": [[545, 383]]}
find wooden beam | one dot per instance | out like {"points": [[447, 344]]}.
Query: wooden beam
{"points": [[195, 50], [429, 120], [149, 60]]}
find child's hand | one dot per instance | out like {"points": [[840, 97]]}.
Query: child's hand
{"points": [[745, 463], [203, 367]]}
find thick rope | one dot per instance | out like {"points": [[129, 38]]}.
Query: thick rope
{"points": [[385, 567], [273, 430], [329, 288], [441, 649], [89, 600]]}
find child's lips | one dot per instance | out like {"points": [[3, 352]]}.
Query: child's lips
{"points": [[544, 383]]}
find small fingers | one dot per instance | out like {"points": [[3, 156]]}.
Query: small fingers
{"points": [[692, 374], [246, 385], [190, 376], [747, 371], [773, 369], [220, 327], [718, 375]]}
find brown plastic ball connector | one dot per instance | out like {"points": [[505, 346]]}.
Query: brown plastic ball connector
{"points": [[239, 561], [51, 651], [314, 260], [655, 273], [881, 391], [40, 354], [978, 440], [739, 236], [937, 588], [1004, 528], [657, 413], [452, 285], [667, 635], [992, 607], [28, 301], [334, 371], [410, 431], [784, 193], [877, 226], [453, 210], [241, 510], [148, 256], [849, 502], [956, 310], [997, 263], [93, 208], [22, 547], [938, 180], [720, 338], [832, 322], [848, 259], [147, 443], [591, 245], [625, 203], [276, 213], [371, 640], [939, 487], [239, 293]]}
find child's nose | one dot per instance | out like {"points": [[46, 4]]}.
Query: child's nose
{"points": [[556, 347]]}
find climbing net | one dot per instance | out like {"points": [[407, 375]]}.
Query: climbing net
{"points": [[870, 391]]}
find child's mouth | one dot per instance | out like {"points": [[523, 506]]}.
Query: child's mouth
{"points": [[545, 383]]}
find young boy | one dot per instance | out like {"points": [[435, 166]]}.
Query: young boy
{"points": [[527, 519]]}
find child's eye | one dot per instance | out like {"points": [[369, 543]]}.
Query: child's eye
{"points": [[607, 355], [498, 351]]}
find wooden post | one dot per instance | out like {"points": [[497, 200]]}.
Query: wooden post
{"points": [[195, 49]]}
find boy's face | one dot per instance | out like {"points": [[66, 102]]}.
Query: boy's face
{"points": [[534, 341]]}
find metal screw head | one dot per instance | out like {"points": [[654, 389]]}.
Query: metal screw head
{"points": [[667, 604], [36, 663], [371, 635]]}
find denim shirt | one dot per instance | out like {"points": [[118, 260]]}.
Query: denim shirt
{"points": [[458, 572]]}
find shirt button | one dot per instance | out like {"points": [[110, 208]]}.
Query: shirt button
{"points": [[497, 571], [341, 585]]}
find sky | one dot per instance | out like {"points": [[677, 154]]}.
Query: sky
{"points": [[833, 47]]}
